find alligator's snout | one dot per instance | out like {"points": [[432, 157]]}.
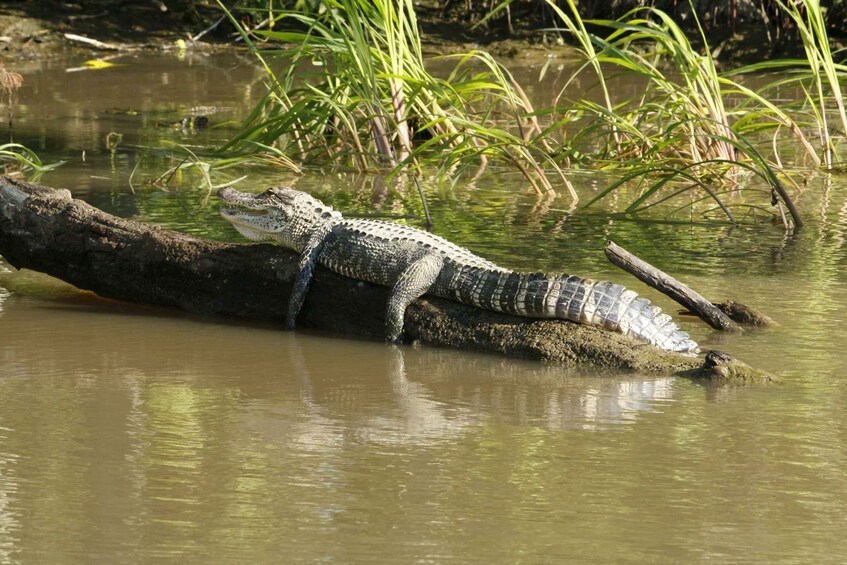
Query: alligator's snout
{"points": [[243, 200]]}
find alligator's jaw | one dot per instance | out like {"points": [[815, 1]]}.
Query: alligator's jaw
{"points": [[244, 220], [247, 231], [245, 213]]}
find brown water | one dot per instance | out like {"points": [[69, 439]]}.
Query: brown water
{"points": [[130, 434]]}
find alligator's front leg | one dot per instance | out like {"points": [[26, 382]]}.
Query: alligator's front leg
{"points": [[305, 269], [413, 283]]}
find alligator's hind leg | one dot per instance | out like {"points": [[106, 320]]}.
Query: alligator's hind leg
{"points": [[412, 284]]}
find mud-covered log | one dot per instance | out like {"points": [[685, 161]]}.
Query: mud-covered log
{"points": [[663, 282], [46, 230]]}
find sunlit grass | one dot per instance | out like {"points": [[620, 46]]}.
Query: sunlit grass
{"points": [[819, 77], [15, 157], [678, 135], [355, 93], [826, 73]]}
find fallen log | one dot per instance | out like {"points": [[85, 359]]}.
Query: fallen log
{"points": [[46, 230]]}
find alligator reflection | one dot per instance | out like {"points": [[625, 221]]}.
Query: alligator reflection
{"points": [[526, 393], [385, 393]]}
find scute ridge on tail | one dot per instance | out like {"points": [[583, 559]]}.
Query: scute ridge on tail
{"points": [[599, 303]]}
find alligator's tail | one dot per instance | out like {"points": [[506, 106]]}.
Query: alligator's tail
{"points": [[572, 298]]}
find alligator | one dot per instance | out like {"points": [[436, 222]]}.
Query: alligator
{"points": [[413, 262]]}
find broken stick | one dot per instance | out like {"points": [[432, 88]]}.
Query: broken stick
{"points": [[665, 283], [95, 43]]}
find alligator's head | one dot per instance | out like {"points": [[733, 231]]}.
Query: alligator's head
{"points": [[280, 213]]}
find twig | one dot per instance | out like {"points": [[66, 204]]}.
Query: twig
{"points": [[665, 283], [780, 191], [423, 201], [257, 27], [95, 43], [208, 29]]}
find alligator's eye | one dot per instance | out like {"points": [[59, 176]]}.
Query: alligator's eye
{"points": [[281, 193]]}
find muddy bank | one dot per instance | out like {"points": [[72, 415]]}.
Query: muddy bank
{"points": [[748, 33], [37, 27]]}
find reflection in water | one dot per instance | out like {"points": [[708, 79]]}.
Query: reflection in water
{"points": [[142, 430], [623, 403], [9, 488], [522, 393]]}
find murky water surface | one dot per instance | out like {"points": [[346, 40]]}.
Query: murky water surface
{"points": [[130, 434]]}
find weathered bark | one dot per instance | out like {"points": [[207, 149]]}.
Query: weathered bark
{"points": [[45, 230], [663, 282]]}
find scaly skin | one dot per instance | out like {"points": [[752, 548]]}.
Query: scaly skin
{"points": [[414, 262]]}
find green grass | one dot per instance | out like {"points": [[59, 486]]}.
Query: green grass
{"points": [[15, 157], [818, 76], [355, 93], [678, 136]]}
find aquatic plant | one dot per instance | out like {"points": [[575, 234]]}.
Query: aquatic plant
{"points": [[693, 128], [191, 165], [15, 157], [674, 137], [355, 92], [819, 76], [681, 114]]}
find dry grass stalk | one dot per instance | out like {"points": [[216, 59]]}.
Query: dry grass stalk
{"points": [[10, 82]]}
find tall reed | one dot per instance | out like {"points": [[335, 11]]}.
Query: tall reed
{"points": [[10, 82], [809, 20], [355, 91], [678, 134]]}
